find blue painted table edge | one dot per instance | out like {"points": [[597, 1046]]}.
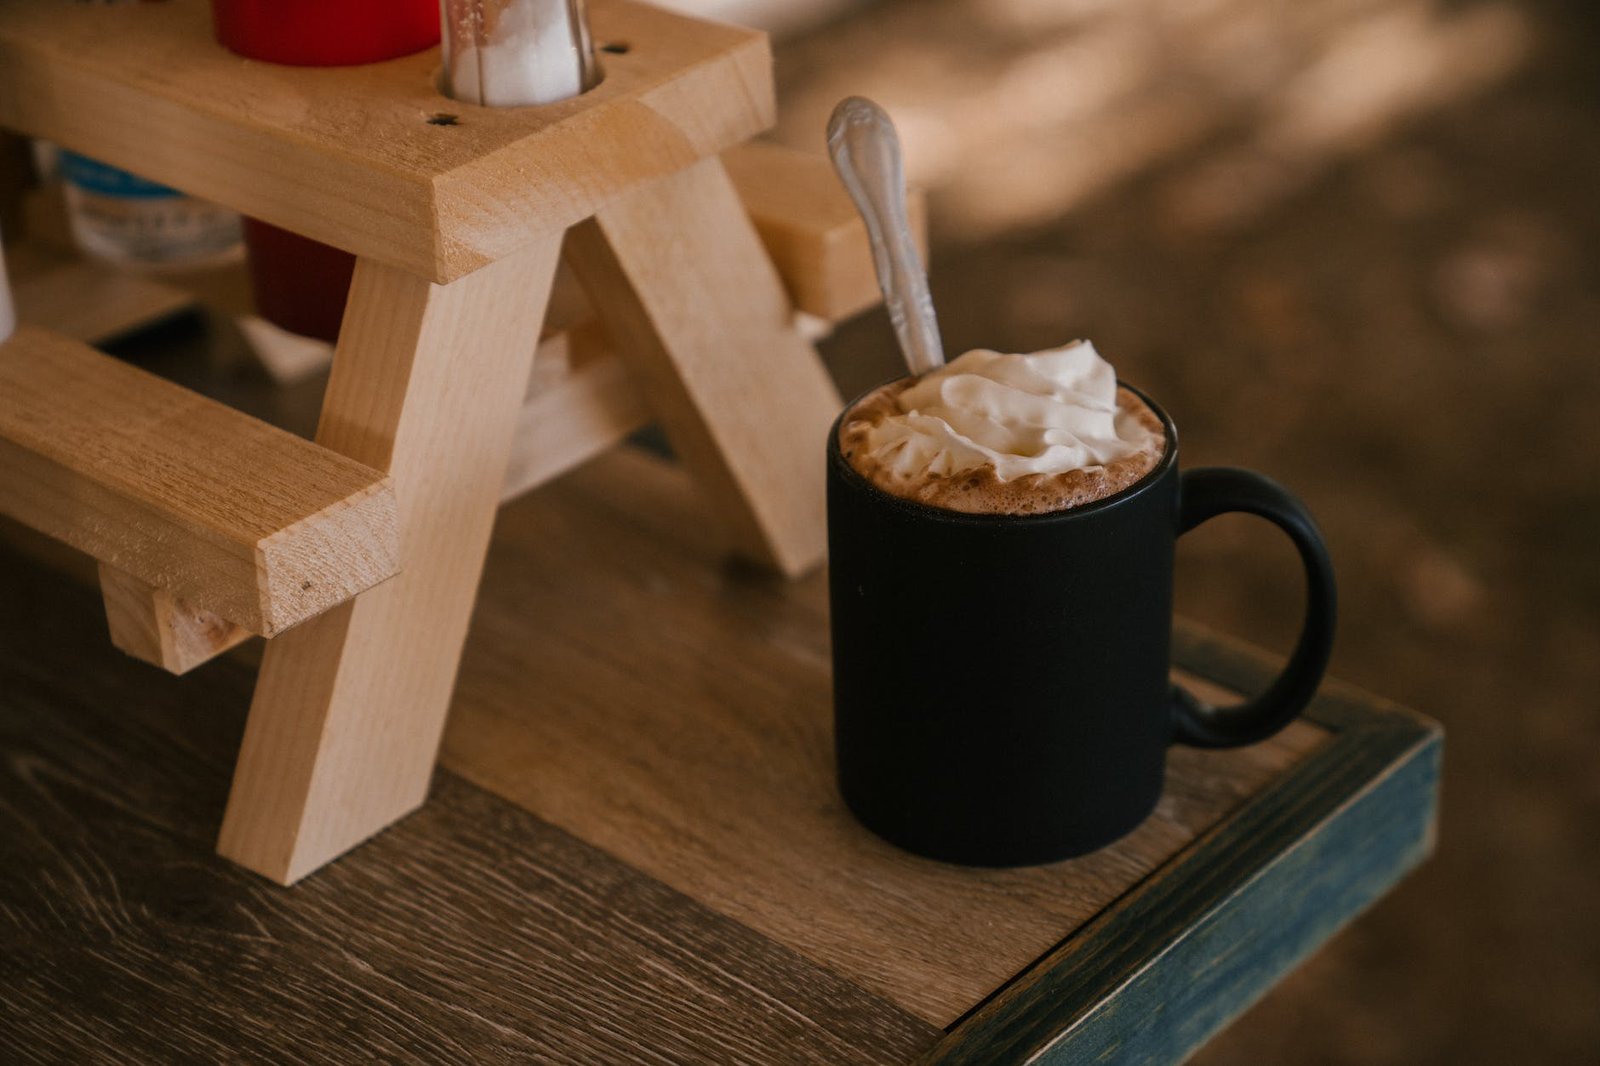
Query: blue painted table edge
{"points": [[1195, 944]]}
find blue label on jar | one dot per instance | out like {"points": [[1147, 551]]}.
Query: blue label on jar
{"points": [[91, 175]]}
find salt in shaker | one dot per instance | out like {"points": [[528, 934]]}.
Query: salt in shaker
{"points": [[512, 53]]}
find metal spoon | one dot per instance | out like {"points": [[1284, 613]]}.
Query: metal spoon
{"points": [[866, 153]]}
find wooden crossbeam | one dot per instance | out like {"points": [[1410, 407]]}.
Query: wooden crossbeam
{"points": [[224, 512], [154, 625], [581, 401]]}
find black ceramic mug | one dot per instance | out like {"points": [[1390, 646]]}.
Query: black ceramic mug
{"points": [[1001, 691]]}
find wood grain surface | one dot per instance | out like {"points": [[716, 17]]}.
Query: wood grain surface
{"points": [[626, 686], [231, 515], [348, 155], [472, 932]]}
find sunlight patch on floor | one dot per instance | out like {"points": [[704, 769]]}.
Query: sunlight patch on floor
{"points": [[1265, 95]]}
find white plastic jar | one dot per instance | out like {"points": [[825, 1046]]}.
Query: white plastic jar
{"points": [[124, 219]]}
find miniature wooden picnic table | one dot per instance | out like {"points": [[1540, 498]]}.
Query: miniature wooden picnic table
{"points": [[359, 554]]}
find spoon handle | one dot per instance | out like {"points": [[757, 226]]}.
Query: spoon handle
{"points": [[866, 153]]}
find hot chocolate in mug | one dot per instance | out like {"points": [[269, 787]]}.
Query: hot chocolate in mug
{"points": [[1001, 688]]}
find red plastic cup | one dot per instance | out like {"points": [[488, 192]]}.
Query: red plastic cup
{"points": [[326, 33], [301, 285]]}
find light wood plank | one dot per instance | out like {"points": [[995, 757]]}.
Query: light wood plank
{"points": [[427, 383], [811, 229], [678, 715], [699, 314], [153, 625], [227, 513], [347, 155]]}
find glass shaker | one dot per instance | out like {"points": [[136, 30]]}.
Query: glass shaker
{"points": [[513, 53]]}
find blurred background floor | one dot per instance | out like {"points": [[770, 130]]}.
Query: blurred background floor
{"points": [[1353, 244]]}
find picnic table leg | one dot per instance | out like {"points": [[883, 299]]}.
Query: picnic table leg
{"points": [[699, 314], [349, 709]]}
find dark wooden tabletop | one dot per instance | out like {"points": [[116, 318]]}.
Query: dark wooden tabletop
{"points": [[634, 852]]}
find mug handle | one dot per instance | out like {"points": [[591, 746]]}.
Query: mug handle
{"points": [[1212, 491]]}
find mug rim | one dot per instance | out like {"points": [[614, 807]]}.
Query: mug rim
{"points": [[917, 508]]}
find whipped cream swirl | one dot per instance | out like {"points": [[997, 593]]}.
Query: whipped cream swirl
{"points": [[1043, 413]]}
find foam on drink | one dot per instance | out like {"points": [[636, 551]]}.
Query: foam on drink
{"points": [[1006, 434]]}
